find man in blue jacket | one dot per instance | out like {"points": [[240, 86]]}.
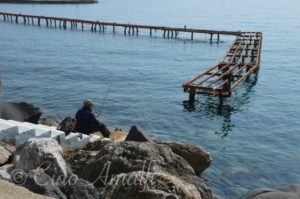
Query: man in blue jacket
{"points": [[86, 121]]}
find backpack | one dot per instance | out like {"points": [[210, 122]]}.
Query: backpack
{"points": [[68, 125]]}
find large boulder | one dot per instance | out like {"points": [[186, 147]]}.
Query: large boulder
{"points": [[125, 157], [136, 134], [146, 185], [43, 153], [11, 191], [286, 192], [42, 169], [197, 157], [4, 155], [22, 112]]}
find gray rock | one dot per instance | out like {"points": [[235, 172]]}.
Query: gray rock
{"points": [[286, 192], [197, 157], [97, 145], [81, 189], [41, 183], [70, 187], [147, 185], [136, 134], [22, 112], [11, 148], [4, 155], [12, 191], [125, 157], [5, 172], [78, 158], [216, 196], [44, 153], [50, 121]]}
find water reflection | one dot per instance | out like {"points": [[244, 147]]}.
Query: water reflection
{"points": [[210, 107]]}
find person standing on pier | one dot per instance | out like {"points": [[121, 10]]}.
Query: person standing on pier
{"points": [[86, 121]]}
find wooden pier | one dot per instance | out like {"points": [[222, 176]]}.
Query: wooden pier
{"points": [[64, 23], [241, 60]]}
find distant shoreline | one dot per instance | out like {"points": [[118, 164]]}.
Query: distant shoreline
{"points": [[50, 1]]}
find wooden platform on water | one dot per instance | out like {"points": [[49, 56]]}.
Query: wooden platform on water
{"points": [[241, 60]]}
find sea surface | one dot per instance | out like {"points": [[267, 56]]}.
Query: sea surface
{"points": [[253, 139]]}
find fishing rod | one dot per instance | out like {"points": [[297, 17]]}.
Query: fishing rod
{"points": [[104, 100]]}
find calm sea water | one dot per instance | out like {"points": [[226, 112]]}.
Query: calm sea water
{"points": [[254, 139]]}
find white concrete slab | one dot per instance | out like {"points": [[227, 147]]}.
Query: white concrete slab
{"points": [[75, 140], [8, 131], [39, 131], [25, 132]]}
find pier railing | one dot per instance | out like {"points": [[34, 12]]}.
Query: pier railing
{"points": [[170, 32]]}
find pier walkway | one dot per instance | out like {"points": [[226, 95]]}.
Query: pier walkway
{"points": [[241, 60]]}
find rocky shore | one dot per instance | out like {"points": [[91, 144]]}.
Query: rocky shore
{"points": [[125, 166]]}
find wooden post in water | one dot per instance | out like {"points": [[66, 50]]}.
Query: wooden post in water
{"points": [[92, 27], [192, 96], [192, 36], [221, 99], [39, 21], [24, 18], [17, 19], [211, 38]]}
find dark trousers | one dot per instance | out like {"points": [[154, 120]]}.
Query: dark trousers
{"points": [[102, 128]]}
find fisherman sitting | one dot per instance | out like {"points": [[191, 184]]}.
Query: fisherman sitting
{"points": [[86, 121]]}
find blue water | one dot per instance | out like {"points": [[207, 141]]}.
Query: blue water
{"points": [[253, 139]]}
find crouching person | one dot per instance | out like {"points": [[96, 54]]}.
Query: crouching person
{"points": [[86, 121]]}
